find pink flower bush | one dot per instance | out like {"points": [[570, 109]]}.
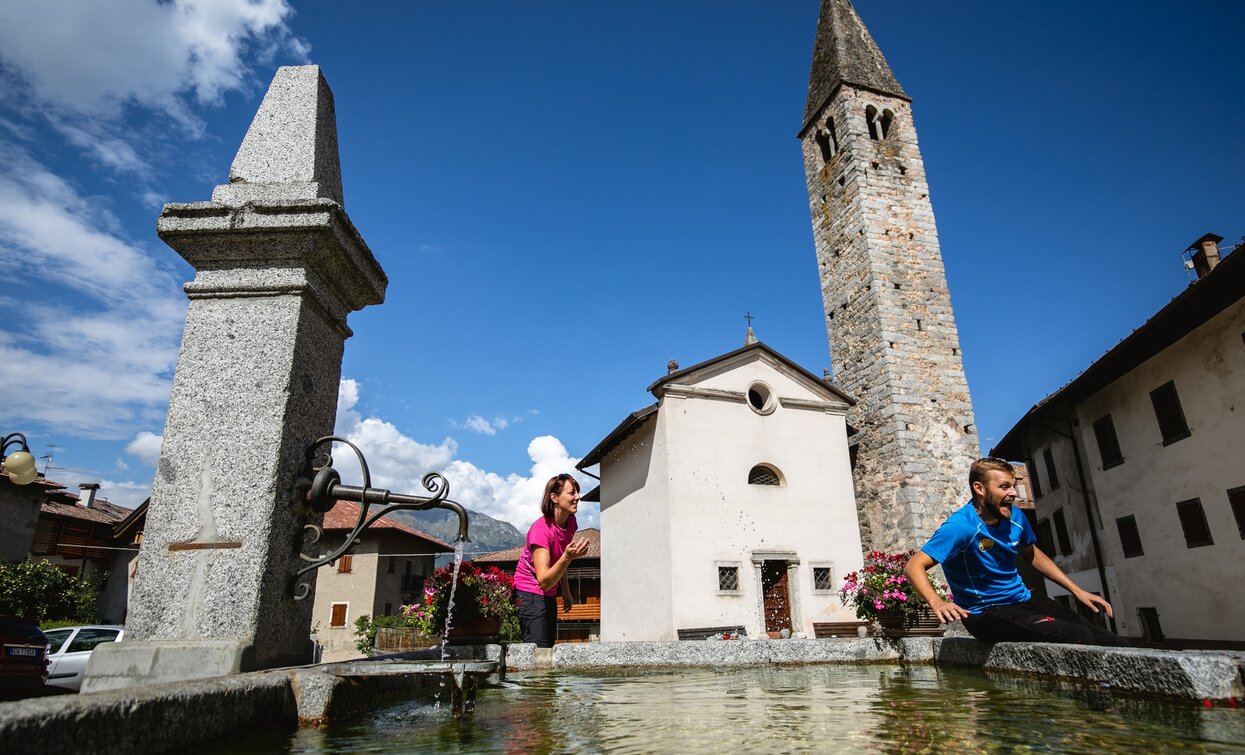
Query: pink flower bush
{"points": [[881, 585]]}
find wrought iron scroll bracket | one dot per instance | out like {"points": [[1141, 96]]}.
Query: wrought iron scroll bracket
{"points": [[318, 488]]}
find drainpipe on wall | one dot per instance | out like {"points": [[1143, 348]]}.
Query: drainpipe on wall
{"points": [[1089, 513]]}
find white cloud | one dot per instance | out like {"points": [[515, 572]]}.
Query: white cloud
{"points": [[95, 349], [146, 448], [93, 58], [120, 464], [478, 424], [399, 463]]}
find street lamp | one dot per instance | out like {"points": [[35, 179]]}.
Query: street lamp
{"points": [[20, 464]]}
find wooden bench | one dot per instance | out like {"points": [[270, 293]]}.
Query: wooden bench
{"points": [[704, 633], [824, 629]]}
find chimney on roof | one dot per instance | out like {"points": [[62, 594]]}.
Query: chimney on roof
{"points": [[1204, 254], [86, 498]]}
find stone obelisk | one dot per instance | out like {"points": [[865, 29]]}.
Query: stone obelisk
{"points": [[278, 267]]}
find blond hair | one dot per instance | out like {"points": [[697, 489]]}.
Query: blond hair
{"points": [[982, 467]]}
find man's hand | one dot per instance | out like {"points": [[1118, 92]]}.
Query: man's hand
{"points": [[1092, 602], [948, 612]]}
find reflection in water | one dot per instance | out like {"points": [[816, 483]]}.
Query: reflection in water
{"points": [[866, 709]]}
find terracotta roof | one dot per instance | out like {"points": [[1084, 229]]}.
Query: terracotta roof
{"points": [[512, 554], [345, 515], [100, 512]]}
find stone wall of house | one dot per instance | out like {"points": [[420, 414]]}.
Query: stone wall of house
{"points": [[893, 338]]}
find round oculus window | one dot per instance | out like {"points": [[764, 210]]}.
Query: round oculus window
{"points": [[761, 398]]}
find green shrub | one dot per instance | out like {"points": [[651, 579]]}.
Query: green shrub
{"points": [[365, 629], [39, 591]]}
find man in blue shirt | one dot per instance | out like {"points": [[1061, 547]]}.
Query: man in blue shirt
{"points": [[978, 546]]}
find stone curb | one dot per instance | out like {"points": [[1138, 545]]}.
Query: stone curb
{"points": [[1186, 674]]}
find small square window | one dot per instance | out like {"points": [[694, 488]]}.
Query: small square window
{"points": [[1033, 478], [1052, 479], [1046, 541], [1061, 533], [823, 579], [1193, 522], [1168, 412], [1236, 498], [1151, 630], [1108, 443], [728, 578], [1130, 538]]}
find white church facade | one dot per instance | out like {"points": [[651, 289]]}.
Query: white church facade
{"points": [[728, 503]]}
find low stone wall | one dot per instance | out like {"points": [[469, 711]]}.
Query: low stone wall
{"points": [[178, 715], [1187, 674], [158, 718], [726, 653]]}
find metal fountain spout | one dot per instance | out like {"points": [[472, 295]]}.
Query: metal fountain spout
{"points": [[319, 488]]}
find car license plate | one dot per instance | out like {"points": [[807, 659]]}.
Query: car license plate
{"points": [[29, 652]]}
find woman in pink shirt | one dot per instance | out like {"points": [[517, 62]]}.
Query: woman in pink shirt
{"points": [[551, 547]]}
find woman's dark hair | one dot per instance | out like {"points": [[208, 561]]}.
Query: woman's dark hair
{"points": [[552, 488]]}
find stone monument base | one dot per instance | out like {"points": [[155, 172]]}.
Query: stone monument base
{"points": [[120, 665]]}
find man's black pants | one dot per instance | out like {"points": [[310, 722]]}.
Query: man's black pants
{"points": [[1038, 619]]}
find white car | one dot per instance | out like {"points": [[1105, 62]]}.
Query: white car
{"points": [[70, 647]]}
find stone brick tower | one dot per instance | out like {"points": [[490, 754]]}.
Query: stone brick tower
{"points": [[893, 340]]}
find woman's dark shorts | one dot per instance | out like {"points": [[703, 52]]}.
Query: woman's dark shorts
{"points": [[538, 618]]}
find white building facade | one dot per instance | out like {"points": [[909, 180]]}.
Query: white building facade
{"points": [[1136, 467], [728, 504]]}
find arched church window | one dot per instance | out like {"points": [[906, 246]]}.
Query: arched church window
{"points": [[828, 140], [764, 474], [879, 123]]}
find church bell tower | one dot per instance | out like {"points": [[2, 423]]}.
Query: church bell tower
{"points": [[893, 339]]}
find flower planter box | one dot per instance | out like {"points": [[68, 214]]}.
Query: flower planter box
{"points": [[403, 639], [895, 623], [480, 631]]}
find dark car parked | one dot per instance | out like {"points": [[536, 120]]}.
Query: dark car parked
{"points": [[23, 657]]}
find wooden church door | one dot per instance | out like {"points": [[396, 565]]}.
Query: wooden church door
{"points": [[776, 603]]}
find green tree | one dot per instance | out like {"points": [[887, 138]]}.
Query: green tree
{"points": [[39, 591]]}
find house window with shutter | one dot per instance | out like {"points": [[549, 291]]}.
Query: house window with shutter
{"points": [[1130, 537], [1108, 443], [1061, 533], [1236, 498], [345, 564], [1169, 413], [338, 617], [1193, 522]]}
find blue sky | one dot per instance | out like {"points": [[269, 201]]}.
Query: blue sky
{"points": [[567, 195]]}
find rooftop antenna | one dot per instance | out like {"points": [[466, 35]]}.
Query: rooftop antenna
{"points": [[47, 460]]}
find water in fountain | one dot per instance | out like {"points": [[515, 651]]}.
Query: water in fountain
{"points": [[449, 612]]}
